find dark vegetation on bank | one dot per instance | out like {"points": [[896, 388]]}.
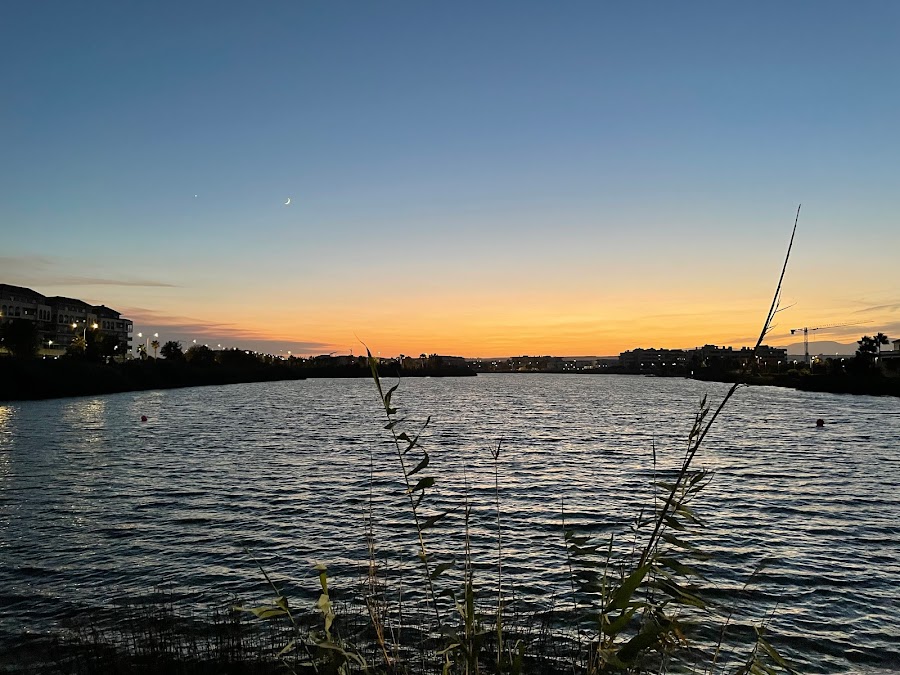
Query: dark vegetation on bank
{"points": [[869, 372], [29, 379], [53, 378], [868, 384], [91, 366]]}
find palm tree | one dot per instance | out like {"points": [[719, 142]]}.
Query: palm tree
{"points": [[155, 345], [866, 345], [880, 339]]}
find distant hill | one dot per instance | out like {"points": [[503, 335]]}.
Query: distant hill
{"points": [[825, 347]]}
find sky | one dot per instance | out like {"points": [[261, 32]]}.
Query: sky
{"points": [[468, 178]]}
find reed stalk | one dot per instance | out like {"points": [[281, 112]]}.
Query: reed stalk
{"points": [[495, 453]]}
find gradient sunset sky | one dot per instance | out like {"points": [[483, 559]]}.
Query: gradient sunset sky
{"points": [[480, 179]]}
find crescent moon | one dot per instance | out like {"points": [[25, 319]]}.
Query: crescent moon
{"points": [[288, 201]]}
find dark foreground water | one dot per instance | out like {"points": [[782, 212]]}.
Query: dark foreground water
{"points": [[97, 508]]}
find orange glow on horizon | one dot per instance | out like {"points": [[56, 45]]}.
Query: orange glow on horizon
{"points": [[499, 329]]}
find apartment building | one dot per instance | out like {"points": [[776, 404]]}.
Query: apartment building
{"points": [[60, 320], [766, 359], [653, 360]]}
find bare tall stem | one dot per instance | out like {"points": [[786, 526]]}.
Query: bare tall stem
{"points": [[423, 551], [496, 456], [695, 446]]}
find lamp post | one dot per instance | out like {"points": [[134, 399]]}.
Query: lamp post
{"points": [[94, 326], [147, 341]]}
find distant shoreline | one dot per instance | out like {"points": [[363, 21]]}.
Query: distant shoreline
{"points": [[33, 380], [23, 380], [865, 385]]}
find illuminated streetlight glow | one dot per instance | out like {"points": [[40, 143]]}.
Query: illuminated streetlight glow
{"points": [[94, 326], [147, 341]]}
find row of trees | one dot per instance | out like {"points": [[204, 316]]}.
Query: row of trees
{"points": [[201, 355]]}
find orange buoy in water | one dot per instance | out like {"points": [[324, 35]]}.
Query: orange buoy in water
{"points": [[820, 422], [143, 418]]}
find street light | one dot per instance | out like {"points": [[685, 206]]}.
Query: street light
{"points": [[147, 341], [94, 326]]}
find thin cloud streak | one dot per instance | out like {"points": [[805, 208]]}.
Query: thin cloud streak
{"points": [[186, 329], [893, 307], [8, 262], [96, 281], [36, 272]]}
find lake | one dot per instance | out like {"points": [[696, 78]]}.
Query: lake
{"points": [[98, 508]]}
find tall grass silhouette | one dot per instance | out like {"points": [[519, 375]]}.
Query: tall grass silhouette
{"points": [[638, 597]]}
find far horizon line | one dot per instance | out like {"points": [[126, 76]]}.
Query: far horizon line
{"points": [[798, 346]]}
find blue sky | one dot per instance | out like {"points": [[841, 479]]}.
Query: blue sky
{"points": [[465, 177]]}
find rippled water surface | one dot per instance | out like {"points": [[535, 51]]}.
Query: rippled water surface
{"points": [[96, 506]]}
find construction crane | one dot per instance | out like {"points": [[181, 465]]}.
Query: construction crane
{"points": [[806, 331]]}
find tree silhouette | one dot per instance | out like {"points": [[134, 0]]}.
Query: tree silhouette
{"points": [[20, 337], [172, 351], [867, 352], [867, 346], [200, 355], [155, 345], [880, 339], [77, 348], [100, 346]]}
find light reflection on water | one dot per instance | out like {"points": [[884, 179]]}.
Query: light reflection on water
{"points": [[97, 505]]}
